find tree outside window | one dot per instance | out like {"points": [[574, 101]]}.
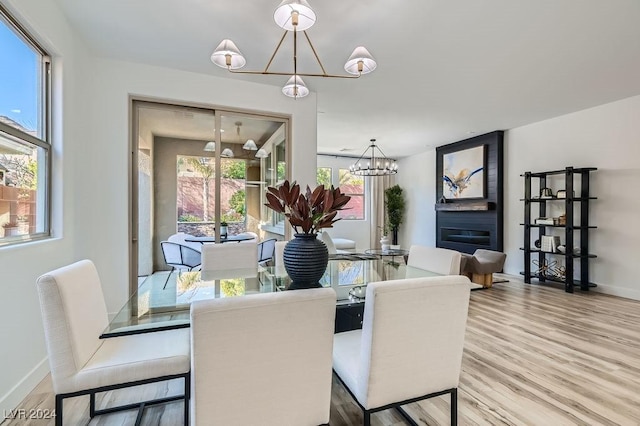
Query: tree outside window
{"points": [[353, 186]]}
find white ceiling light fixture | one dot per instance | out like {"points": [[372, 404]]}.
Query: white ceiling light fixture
{"points": [[295, 88], [227, 153], [293, 16], [227, 55], [373, 164], [250, 145], [210, 146], [262, 153]]}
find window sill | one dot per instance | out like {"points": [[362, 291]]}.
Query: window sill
{"points": [[273, 229]]}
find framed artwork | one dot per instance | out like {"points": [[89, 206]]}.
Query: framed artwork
{"points": [[463, 173]]}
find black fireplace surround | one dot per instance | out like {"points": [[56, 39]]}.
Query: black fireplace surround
{"points": [[469, 224]]}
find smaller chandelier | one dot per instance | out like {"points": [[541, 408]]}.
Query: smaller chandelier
{"points": [[373, 164], [293, 16]]}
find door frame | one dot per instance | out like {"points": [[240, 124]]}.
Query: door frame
{"points": [[133, 103]]}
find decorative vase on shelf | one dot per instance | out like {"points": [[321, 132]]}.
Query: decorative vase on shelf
{"points": [[305, 260], [385, 243]]}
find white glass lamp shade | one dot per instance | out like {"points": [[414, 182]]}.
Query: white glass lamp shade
{"points": [[283, 15], [250, 145], [227, 50], [360, 54], [226, 153], [210, 146], [295, 88], [262, 153]]}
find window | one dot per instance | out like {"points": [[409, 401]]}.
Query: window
{"points": [[349, 184], [354, 187], [24, 135]]}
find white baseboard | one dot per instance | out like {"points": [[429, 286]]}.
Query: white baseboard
{"points": [[612, 290], [16, 394], [627, 293]]}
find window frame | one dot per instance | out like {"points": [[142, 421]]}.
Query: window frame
{"points": [[44, 117]]}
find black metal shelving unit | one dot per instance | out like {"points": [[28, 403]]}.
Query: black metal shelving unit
{"points": [[575, 224]]}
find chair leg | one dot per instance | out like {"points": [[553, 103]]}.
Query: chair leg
{"points": [[406, 416], [454, 407], [59, 403], [140, 415], [187, 397], [92, 405], [367, 418], [168, 276]]}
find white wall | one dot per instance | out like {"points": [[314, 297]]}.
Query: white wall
{"points": [[416, 176], [22, 351], [106, 169], [606, 137], [356, 230], [91, 166]]}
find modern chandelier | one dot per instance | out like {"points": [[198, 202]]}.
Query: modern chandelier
{"points": [[293, 16], [373, 164]]}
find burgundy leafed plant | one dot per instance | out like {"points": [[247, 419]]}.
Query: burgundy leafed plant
{"points": [[308, 212]]}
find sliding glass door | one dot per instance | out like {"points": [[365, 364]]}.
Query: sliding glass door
{"points": [[195, 168]]}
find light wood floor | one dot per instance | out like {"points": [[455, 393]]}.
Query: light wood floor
{"points": [[534, 355]]}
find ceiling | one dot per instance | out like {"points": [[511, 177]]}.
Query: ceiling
{"points": [[198, 125], [447, 69]]}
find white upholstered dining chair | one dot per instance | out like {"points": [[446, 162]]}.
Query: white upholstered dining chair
{"points": [[331, 247], [410, 346], [435, 259], [263, 359], [74, 315], [279, 253], [229, 256]]}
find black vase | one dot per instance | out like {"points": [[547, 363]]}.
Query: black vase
{"points": [[305, 260]]}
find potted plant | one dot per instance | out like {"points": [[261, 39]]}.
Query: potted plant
{"points": [[394, 203], [11, 228], [306, 257], [224, 229]]}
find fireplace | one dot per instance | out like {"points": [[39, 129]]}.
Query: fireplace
{"points": [[468, 224], [466, 236], [468, 231]]}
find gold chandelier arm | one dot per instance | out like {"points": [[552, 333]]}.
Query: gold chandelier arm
{"points": [[313, 49], [289, 74], [266, 69]]}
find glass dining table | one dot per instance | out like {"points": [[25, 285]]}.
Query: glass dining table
{"points": [[156, 306]]}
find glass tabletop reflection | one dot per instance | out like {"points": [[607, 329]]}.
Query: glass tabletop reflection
{"points": [[161, 303]]}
